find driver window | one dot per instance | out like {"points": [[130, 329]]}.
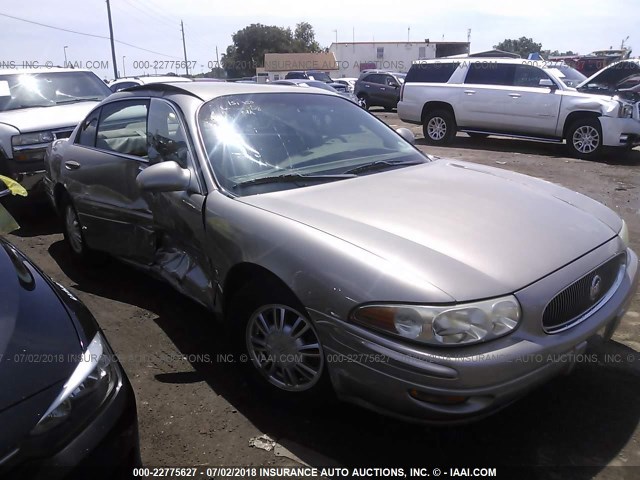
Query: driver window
{"points": [[528, 76], [166, 138]]}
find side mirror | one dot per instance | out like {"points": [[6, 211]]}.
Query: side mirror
{"points": [[407, 135], [547, 82], [164, 177], [393, 84]]}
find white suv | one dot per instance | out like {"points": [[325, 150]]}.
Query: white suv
{"points": [[518, 98]]}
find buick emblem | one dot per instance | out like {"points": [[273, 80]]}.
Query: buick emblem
{"points": [[596, 286]]}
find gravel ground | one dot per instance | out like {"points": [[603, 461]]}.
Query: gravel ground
{"points": [[195, 408]]}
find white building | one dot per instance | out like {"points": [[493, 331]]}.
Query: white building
{"points": [[353, 57]]}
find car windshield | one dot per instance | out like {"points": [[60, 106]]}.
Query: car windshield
{"points": [[263, 142], [567, 75], [49, 89], [320, 76]]}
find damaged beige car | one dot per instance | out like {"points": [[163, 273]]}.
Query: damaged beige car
{"points": [[340, 254]]}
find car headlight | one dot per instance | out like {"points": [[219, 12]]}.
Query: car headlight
{"points": [[460, 324], [624, 234], [626, 111], [32, 138], [89, 385]]}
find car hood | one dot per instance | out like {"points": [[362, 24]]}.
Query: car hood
{"points": [[470, 230], [47, 118], [608, 79], [39, 345]]}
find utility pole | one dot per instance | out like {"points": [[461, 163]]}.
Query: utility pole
{"points": [[184, 47], [113, 48], [408, 34]]}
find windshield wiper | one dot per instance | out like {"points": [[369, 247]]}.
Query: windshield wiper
{"points": [[292, 178], [380, 164]]}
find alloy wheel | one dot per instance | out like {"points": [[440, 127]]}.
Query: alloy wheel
{"points": [[437, 128], [586, 139]]}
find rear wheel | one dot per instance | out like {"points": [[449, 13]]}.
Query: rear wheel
{"points": [[584, 138], [364, 101], [72, 230], [439, 127]]}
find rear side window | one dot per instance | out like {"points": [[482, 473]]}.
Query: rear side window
{"points": [[431, 72], [487, 73], [374, 78], [123, 128]]}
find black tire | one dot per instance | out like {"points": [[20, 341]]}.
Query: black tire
{"points": [[439, 127], [584, 138], [255, 315], [478, 136], [388, 109], [74, 236], [364, 101]]}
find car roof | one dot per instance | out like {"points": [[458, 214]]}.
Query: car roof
{"points": [[209, 90], [23, 71], [152, 79], [518, 61]]}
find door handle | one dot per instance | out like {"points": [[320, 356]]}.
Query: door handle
{"points": [[382, 88], [469, 92], [514, 95], [71, 165], [367, 86]]}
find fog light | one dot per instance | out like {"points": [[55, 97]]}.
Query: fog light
{"points": [[438, 399]]}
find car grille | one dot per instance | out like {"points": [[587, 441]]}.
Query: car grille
{"points": [[66, 133], [570, 306]]}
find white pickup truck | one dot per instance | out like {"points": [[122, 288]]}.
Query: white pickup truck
{"points": [[521, 98]]}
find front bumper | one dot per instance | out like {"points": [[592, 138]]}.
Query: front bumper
{"points": [[378, 373], [620, 132], [28, 173], [107, 447]]}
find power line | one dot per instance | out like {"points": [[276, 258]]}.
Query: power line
{"points": [[85, 34]]}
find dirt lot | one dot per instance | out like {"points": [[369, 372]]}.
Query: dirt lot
{"points": [[195, 409]]}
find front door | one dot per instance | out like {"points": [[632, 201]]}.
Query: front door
{"points": [[178, 222]]}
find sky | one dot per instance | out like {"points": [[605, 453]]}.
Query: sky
{"points": [[152, 27]]}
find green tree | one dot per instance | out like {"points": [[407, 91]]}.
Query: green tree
{"points": [[304, 38], [252, 42], [523, 46]]}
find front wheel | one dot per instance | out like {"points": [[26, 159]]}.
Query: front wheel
{"points": [[439, 127], [584, 138], [283, 351]]}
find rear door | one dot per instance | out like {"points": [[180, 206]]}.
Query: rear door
{"points": [[482, 98], [100, 168], [374, 87]]}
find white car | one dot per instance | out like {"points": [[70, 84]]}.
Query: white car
{"points": [[38, 106], [349, 82], [518, 98]]}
